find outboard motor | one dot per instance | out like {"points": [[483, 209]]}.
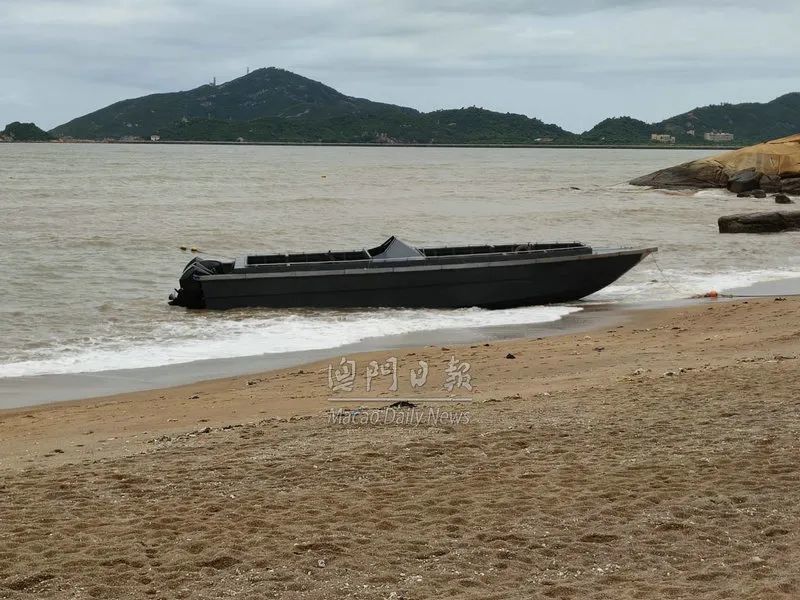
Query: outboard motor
{"points": [[190, 294]]}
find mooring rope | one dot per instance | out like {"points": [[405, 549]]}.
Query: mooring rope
{"points": [[715, 294], [664, 275]]}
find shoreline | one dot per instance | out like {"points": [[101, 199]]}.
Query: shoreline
{"points": [[175, 407], [37, 390], [397, 145]]}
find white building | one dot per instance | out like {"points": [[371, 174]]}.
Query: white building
{"points": [[664, 138], [718, 136], [155, 138]]}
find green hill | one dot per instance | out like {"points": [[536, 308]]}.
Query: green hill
{"points": [[274, 105], [750, 122], [263, 93], [460, 126], [24, 132], [619, 130]]}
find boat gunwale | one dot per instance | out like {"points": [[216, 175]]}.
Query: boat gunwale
{"points": [[244, 261], [367, 269]]}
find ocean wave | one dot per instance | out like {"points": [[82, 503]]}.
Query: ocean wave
{"points": [[672, 284], [200, 339]]}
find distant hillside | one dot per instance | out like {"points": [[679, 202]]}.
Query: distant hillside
{"points": [[263, 93], [749, 122], [24, 132], [460, 126], [274, 105], [619, 130]]}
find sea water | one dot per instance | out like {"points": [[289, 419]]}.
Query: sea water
{"points": [[90, 238]]}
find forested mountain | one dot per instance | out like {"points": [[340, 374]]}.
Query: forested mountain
{"points": [[275, 105]]}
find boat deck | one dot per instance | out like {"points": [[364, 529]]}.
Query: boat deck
{"points": [[365, 259]]}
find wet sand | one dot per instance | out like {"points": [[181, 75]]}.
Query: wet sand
{"points": [[655, 458], [45, 389]]}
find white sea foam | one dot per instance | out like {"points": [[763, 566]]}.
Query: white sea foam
{"points": [[206, 338], [672, 284], [714, 194]]}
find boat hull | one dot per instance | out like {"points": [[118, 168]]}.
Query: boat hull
{"points": [[504, 284]]}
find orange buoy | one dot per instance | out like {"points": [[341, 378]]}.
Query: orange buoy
{"points": [[711, 294]]}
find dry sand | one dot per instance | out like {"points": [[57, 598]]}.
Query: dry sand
{"points": [[649, 460]]}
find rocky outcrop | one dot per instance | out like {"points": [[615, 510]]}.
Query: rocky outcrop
{"points": [[764, 222], [744, 181], [770, 183], [790, 185], [783, 199], [772, 166], [695, 174]]}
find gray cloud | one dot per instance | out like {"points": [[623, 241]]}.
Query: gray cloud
{"points": [[572, 62], [547, 7]]}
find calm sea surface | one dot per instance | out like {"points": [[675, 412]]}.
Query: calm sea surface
{"points": [[90, 238]]}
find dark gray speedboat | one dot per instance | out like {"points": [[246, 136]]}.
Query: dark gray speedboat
{"points": [[396, 274]]}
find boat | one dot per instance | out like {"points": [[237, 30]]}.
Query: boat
{"points": [[400, 275]]}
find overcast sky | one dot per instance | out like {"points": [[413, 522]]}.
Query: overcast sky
{"points": [[570, 62]]}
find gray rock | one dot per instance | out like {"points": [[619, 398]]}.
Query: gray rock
{"points": [[744, 181], [783, 199], [687, 175], [763, 222], [770, 183], [790, 185], [744, 195], [759, 194]]}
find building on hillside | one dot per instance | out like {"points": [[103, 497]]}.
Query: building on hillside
{"points": [[663, 138], [718, 136], [155, 138], [384, 138]]}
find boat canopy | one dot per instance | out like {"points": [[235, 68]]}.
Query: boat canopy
{"points": [[393, 249]]}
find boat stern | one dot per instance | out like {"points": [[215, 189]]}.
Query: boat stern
{"points": [[190, 292]]}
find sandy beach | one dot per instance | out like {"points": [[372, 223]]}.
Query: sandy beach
{"points": [[655, 458]]}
